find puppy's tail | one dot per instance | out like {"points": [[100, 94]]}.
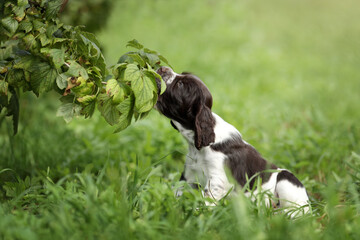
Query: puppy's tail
{"points": [[292, 194]]}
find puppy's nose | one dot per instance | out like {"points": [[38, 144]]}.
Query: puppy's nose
{"points": [[163, 69]]}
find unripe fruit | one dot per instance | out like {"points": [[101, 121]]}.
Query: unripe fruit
{"points": [[82, 87], [3, 70], [87, 89], [86, 99], [80, 82]]}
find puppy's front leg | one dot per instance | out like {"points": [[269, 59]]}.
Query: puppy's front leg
{"points": [[217, 186], [190, 181], [190, 175]]}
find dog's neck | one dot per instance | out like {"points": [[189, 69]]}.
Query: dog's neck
{"points": [[222, 130], [188, 134]]}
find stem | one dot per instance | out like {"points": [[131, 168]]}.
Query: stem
{"points": [[63, 6], [2, 115]]}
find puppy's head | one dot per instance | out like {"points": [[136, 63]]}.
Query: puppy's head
{"points": [[188, 101]]}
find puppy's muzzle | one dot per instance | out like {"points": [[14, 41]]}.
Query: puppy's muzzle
{"points": [[166, 73]]}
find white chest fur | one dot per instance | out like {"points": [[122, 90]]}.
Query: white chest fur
{"points": [[206, 166]]}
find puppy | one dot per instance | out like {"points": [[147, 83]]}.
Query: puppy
{"points": [[215, 144]]}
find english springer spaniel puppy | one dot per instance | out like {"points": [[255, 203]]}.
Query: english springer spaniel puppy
{"points": [[215, 144]]}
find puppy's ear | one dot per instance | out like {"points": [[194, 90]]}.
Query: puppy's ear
{"points": [[204, 127]]}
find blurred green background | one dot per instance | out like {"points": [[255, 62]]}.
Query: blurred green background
{"points": [[284, 72]]}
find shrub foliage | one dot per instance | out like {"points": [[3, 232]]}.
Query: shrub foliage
{"points": [[39, 53]]}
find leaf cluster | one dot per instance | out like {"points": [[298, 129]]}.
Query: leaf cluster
{"points": [[39, 53], [135, 87]]}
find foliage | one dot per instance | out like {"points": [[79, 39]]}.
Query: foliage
{"points": [[39, 54]]}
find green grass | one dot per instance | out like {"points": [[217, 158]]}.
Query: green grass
{"points": [[285, 73]]}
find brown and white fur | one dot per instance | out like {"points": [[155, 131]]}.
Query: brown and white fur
{"points": [[215, 144]]}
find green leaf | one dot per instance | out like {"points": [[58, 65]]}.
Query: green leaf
{"points": [[144, 91], [26, 62], [39, 26], [144, 114], [58, 56], [135, 44], [163, 86], [61, 80], [90, 37], [153, 58], [89, 109], [43, 77], [154, 74], [124, 122], [68, 111], [10, 24], [96, 75], [22, 2], [108, 109], [87, 45], [6, 52], [19, 35], [15, 77], [126, 58], [118, 69], [53, 8], [30, 41], [93, 48], [19, 11], [76, 70], [3, 67], [26, 26], [3, 87], [132, 72], [146, 50], [137, 58], [127, 106], [60, 40], [51, 29], [44, 40], [114, 89], [142, 86]]}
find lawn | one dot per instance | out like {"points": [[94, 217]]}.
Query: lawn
{"points": [[285, 73]]}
